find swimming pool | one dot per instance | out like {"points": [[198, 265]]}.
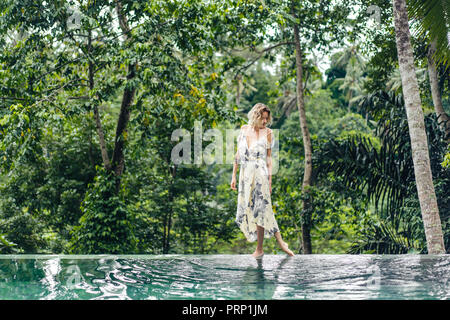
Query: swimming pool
{"points": [[224, 277]]}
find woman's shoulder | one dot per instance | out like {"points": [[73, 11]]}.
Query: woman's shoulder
{"points": [[244, 127]]}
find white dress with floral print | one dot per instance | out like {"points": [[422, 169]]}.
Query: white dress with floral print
{"points": [[254, 205]]}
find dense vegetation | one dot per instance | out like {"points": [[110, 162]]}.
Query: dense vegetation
{"points": [[89, 102]]}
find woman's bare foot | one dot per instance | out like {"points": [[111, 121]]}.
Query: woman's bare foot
{"points": [[257, 254], [284, 246]]}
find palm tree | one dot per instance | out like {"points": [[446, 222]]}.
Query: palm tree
{"points": [[354, 64], [382, 168], [395, 82], [432, 22], [288, 101], [244, 86], [350, 53], [418, 136]]}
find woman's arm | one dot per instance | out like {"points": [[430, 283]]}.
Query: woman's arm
{"points": [[235, 164], [233, 177]]}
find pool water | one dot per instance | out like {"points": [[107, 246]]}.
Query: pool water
{"points": [[224, 277]]}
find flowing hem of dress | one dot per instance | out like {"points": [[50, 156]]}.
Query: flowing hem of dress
{"points": [[268, 233]]}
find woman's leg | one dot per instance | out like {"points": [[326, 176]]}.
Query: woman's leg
{"points": [[259, 247], [283, 245]]}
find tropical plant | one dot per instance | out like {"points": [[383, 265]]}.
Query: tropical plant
{"points": [[432, 23], [384, 238], [382, 168]]}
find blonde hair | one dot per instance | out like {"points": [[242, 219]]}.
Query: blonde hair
{"points": [[256, 113]]}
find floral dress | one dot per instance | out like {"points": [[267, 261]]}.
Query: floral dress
{"points": [[254, 205]]}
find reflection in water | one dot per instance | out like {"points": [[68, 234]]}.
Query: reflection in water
{"points": [[256, 285], [225, 277], [51, 269]]}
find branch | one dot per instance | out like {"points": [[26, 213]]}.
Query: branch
{"points": [[47, 98], [79, 98], [12, 98], [260, 55], [275, 46]]}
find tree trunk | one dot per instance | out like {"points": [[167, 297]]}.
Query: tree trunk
{"points": [[118, 159], [443, 118], [306, 207], [164, 239], [238, 89], [418, 136], [121, 130], [350, 96], [168, 217], [169, 226], [98, 123]]}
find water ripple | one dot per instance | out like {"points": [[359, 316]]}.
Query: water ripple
{"points": [[225, 277]]}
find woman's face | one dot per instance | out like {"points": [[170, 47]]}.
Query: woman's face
{"points": [[264, 119]]}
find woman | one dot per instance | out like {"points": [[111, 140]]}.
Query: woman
{"points": [[254, 214]]}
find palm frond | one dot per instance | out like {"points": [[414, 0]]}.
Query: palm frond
{"points": [[384, 171], [432, 22], [384, 238]]}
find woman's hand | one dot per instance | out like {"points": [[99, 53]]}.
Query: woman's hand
{"points": [[233, 183]]}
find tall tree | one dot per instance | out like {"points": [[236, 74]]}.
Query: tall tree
{"points": [[418, 136], [118, 158], [306, 232]]}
